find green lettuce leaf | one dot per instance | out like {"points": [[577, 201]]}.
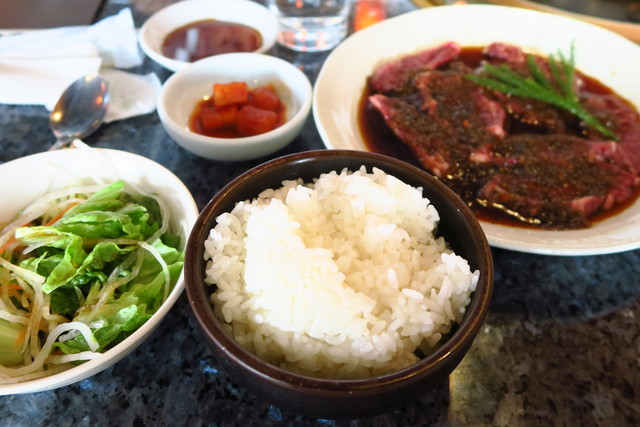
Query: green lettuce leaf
{"points": [[106, 199], [114, 329], [64, 301], [67, 249], [78, 259], [132, 304], [100, 225]]}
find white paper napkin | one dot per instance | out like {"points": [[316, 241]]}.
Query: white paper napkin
{"points": [[37, 66], [131, 94]]}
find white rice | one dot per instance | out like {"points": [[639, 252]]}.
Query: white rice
{"points": [[341, 278]]}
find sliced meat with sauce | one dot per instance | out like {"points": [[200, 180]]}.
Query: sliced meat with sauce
{"points": [[491, 112], [524, 157], [504, 52], [537, 203], [393, 75], [412, 127], [612, 109], [433, 123], [553, 179], [534, 114]]}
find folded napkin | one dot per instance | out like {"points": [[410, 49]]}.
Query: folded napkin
{"points": [[131, 94], [37, 66]]}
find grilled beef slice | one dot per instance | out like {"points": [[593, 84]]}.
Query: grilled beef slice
{"points": [[521, 156]]}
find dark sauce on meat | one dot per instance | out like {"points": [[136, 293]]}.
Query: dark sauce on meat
{"points": [[380, 138], [208, 37]]}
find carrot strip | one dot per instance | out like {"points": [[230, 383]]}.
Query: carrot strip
{"points": [[11, 289], [6, 245], [21, 337], [61, 214], [11, 286], [12, 240]]}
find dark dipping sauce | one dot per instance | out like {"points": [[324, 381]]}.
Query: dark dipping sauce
{"points": [[209, 37], [523, 139]]}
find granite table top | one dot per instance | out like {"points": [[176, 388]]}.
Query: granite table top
{"points": [[560, 344]]}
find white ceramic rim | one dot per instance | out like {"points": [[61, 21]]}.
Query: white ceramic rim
{"points": [[161, 23], [123, 162], [627, 29], [338, 90]]}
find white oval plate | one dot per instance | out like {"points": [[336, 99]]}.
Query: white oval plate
{"points": [[602, 54], [36, 175]]}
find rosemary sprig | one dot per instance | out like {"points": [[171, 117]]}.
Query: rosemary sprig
{"points": [[559, 91]]}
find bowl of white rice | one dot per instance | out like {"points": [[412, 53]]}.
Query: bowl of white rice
{"points": [[338, 283]]}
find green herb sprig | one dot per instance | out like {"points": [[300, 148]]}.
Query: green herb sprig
{"points": [[558, 92]]}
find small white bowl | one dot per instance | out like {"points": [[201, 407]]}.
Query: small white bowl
{"points": [[183, 90], [39, 174], [160, 24]]}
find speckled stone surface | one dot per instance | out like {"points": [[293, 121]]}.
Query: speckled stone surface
{"points": [[560, 345]]}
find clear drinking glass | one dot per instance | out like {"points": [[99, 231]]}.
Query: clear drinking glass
{"points": [[311, 25]]}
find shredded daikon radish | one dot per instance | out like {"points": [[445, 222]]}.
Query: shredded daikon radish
{"points": [[165, 221], [10, 309], [113, 284], [4, 314], [74, 357], [116, 241], [54, 319], [23, 299], [69, 335], [33, 327], [28, 275], [5, 379], [41, 243], [26, 288], [80, 296], [42, 355], [165, 269], [41, 206]]}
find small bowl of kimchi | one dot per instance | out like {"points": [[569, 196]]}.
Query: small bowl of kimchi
{"points": [[235, 106], [91, 256]]}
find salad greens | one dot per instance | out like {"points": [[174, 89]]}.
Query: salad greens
{"points": [[81, 277]]}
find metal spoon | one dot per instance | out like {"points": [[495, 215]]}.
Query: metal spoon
{"points": [[80, 110]]}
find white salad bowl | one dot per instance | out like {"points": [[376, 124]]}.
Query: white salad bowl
{"points": [[37, 175], [183, 90], [608, 57], [160, 24]]}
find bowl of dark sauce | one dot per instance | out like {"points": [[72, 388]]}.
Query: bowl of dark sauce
{"points": [[185, 32]]}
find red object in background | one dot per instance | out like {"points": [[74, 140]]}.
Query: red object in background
{"points": [[368, 12]]}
